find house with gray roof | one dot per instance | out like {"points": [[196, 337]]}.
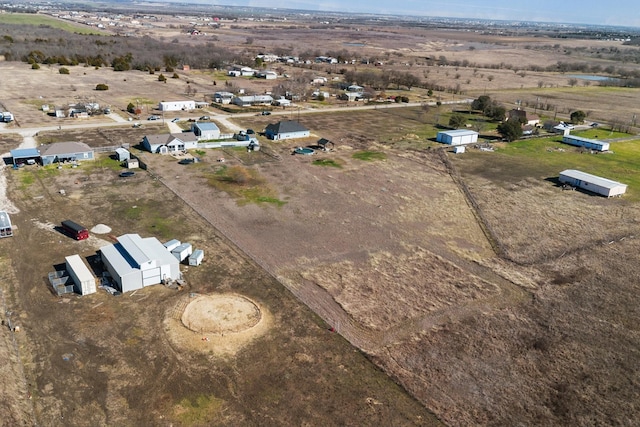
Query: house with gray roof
{"points": [[170, 142], [60, 152], [249, 100], [287, 129]]}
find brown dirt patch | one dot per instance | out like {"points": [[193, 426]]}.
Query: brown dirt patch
{"points": [[216, 323]]}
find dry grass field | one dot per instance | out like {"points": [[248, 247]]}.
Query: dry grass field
{"points": [[363, 283]]}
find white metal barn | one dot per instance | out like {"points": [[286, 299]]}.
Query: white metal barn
{"points": [[457, 137], [83, 278], [135, 262], [176, 105], [593, 183]]}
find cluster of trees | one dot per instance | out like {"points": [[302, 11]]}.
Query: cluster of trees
{"points": [[383, 79], [46, 45], [489, 107]]}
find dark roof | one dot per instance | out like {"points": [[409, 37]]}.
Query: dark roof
{"points": [[286, 126], [65, 148], [324, 141], [166, 138]]}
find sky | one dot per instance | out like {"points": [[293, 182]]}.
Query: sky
{"points": [[612, 12]]}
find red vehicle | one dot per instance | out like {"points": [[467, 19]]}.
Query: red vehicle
{"points": [[75, 230]]}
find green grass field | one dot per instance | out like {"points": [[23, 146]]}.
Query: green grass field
{"points": [[548, 157], [37, 20]]}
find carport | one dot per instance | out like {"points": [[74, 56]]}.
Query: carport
{"points": [[22, 156]]}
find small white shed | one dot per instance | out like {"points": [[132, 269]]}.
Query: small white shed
{"points": [[196, 257], [83, 278], [182, 252], [457, 137]]}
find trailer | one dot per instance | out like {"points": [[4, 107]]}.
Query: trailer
{"points": [[6, 229], [172, 244], [182, 252], [75, 230], [83, 278], [196, 257]]}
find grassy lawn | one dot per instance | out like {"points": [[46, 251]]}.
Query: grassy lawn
{"points": [[245, 185], [369, 156], [33, 19], [546, 157]]}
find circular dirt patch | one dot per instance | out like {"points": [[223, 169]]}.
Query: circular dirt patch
{"points": [[221, 314], [219, 324]]}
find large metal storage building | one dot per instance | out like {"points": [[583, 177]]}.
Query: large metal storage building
{"points": [[83, 278], [134, 262], [593, 183], [457, 137]]}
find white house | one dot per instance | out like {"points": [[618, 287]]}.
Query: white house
{"points": [[170, 142], [205, 130], [222, 97], [457, 137], [286, 130], [593, 183], [248, 100], [282, 102], [239, 70], [268, 75], [135, 262], [176, 105]]}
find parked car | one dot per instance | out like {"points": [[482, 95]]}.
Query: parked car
{"points": [[136, 125], [177, 119], [153, 118], [205, 118], [266, 113], [126, 174]]}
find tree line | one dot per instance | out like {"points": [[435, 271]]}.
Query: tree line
{"points": [[47, 45]]}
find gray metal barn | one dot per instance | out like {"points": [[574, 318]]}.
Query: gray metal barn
{"points": [[135, 262]]}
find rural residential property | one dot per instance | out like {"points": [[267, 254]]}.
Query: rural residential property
{"points": [[288, 129], [373, 218]]}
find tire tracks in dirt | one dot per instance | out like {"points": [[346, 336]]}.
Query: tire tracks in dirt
{"points": [[320, 301]]}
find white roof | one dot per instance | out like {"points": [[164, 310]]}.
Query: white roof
{"points": [[459, 132], [122, 259], [80, 269], [134, 245], [592, 179]]}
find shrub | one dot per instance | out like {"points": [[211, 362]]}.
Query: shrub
{"points": [[35, 66], [162, 78], [102, 86], [63, 70]]}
